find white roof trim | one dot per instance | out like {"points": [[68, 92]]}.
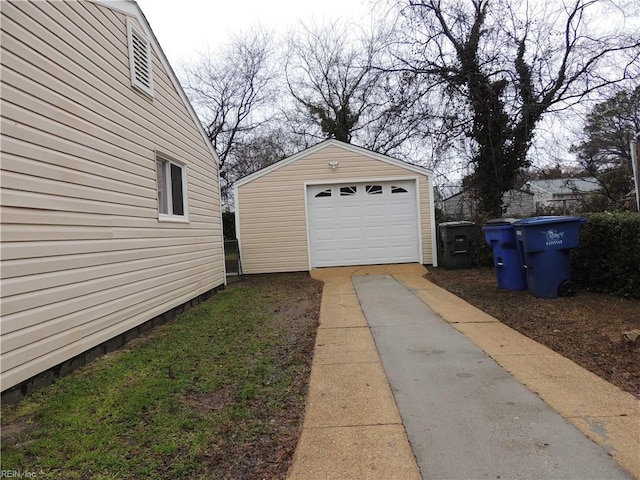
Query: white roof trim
{"points": [[132, 9], [333, 143]]}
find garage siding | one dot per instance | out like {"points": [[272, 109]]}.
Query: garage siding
{"points": [[271, 213]]}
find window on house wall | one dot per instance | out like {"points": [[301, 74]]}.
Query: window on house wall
{"points": [[172, 182], [140, 61]]}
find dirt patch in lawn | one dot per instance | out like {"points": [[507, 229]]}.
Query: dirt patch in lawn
{"points": [[587, 328], [296, 310]]}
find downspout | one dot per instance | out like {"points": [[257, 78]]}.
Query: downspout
{"points": [[635, 154], [432, 214]]}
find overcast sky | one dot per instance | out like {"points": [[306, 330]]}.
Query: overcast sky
{"points": [[185, 27]]}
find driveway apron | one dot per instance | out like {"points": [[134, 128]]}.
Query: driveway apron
{"points": [[464, 415]]}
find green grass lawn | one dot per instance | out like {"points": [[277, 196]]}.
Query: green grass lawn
{"points": [[217, 393]]}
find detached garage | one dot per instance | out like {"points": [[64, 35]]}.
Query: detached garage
{"points": [[335, 204]]}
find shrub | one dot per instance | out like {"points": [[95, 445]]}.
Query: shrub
{"points": [[481, 253], [608, 258], [229, 225]]}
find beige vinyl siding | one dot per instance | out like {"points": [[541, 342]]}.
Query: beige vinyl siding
{"points": [[272, 212], [427, 222], [84, 256]]}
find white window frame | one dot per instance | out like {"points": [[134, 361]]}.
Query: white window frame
{"points": [[166, 163], [132, 31]]}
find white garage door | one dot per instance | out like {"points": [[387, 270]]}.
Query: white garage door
{"points": [[363, 223]]}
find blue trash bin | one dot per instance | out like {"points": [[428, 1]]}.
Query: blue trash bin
{"points": [[501, 237], [544, 244]]}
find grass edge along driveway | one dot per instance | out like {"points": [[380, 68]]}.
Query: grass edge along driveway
{"points": [[219, 392]]}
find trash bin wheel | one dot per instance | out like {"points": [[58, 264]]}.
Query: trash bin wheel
{"points": [[568, 288]]}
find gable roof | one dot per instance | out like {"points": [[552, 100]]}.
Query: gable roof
{"points": [[332, 143], [132, 9], [561, 186], [466, 191]]}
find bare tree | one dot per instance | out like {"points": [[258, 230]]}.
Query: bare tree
{"points": [[341, 92], [265, 146], [232, 89], [507, 63], [605, 148]]}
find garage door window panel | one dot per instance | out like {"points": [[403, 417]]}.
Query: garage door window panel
{"points": [[348, 191]]}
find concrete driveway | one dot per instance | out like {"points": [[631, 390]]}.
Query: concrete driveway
{"points": [[446, 391]]}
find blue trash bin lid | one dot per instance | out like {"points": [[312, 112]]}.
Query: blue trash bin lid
{"points": [[501, 221], [546, 219], [496, 223]]}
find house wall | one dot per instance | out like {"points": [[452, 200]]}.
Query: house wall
{"points": [[517, 203], [272, 213], [563, 195], [84, 256], [542, 198], [460, 206]]}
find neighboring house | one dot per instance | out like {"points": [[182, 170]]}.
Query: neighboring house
{"points": [[565, 195], [110, 193], [464, 205], [335, 204]]}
